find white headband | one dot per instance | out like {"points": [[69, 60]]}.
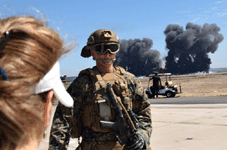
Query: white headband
{"points": [[52, 80]]}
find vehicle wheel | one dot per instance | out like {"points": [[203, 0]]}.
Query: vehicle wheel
{"points": [[149, 95], [169, 94]]}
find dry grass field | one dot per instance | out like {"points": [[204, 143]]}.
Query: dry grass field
{"points": [[213, 84]]}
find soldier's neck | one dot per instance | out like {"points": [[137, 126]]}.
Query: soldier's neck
{"points": [[105, 68], [33, 144]]}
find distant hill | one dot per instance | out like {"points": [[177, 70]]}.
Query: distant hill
{"points": [[215, 70], [70, 79], [212, 70]]}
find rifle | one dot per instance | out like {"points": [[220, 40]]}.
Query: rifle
{"points": [[125, 124]]}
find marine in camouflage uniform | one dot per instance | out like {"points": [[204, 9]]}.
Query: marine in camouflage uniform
{"points": [[84, 118]]}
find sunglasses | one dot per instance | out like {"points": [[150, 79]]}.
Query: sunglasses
{"points": [[103, 48], [3, 41]]}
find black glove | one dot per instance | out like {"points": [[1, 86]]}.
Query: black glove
{"points": [[136, 142]]}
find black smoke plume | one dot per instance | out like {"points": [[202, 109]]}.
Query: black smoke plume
{"points": [[137, 57], [188, 50]]}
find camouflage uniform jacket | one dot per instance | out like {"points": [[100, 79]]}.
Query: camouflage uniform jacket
{"points": [[81, 90]]}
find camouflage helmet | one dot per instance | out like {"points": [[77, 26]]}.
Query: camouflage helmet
{"points": [[98, 37]]}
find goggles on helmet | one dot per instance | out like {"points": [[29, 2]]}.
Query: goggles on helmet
{"points": [[103, 48]]}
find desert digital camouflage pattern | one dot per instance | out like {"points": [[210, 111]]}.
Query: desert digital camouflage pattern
{"points": [[83, 119]]}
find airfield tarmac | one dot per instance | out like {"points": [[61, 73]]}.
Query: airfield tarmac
{"points": [[177, 127]]}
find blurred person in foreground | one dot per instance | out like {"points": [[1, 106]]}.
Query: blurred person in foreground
{"points": [[95, 116], [29, 81]]}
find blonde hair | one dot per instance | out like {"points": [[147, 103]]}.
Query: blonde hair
{"points": [[30, 52]]}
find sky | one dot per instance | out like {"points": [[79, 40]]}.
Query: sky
{"points": [[75, 20]]}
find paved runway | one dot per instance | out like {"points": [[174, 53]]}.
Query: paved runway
{"points": [[182, 127], [190, 100]]}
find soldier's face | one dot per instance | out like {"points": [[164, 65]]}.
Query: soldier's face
{"points": [[105, 59]]}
